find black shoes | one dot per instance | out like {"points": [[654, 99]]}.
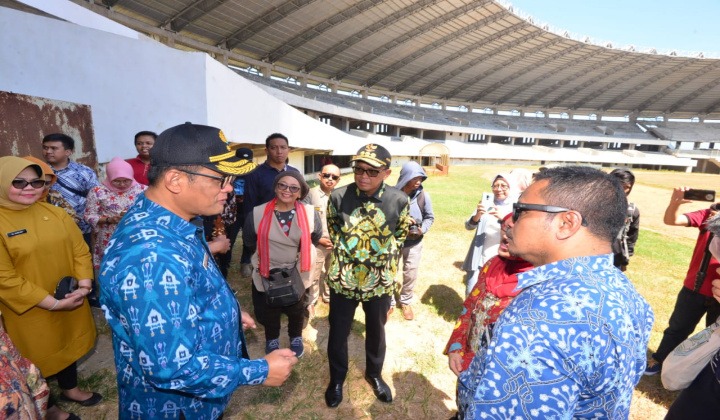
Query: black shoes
{"points": [[380, 388], [333, 395]]}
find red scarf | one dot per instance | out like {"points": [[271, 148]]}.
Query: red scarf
{"points": [[501, 277], [263, 237]]}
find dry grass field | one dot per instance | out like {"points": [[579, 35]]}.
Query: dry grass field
{"points": [[415, 368]]}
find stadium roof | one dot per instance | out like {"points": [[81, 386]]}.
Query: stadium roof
{"points": [[457, 52]]}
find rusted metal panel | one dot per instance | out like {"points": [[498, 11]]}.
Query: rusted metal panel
{"points": [[27, 119]]}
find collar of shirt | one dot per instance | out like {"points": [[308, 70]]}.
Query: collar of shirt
{"points": [[181, 226], [70, 166], [377, 196], [562, 269]]}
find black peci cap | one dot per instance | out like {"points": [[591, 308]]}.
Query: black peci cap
{"points": [[374, 155], [193, 144]]}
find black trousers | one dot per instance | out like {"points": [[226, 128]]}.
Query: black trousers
{"points": [[342, 312], [270, 317], [67, 379], [700, 400], [689, 309]]}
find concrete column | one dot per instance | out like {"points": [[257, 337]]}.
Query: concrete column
{"points": [[303, 81], [469, 108], [393, 99], [604, 146], [562, 144], [345, 124], [395, 131], [364, 93], [421, 133], [512, 141], [266, 71], [333, 87], [537, 142]]}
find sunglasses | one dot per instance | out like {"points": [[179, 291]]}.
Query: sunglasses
{"points": [[328, 176], [372, 173], [224, 180], [518, 208], [285, 187], [20, 184]]}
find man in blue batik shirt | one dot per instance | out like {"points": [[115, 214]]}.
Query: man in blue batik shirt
{"points": [[74, 180], [179, 348], [573, 343]]}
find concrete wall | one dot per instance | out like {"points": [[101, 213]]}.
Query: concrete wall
{"points": [[134, 83]]}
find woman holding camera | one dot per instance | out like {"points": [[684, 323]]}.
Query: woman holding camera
{"points": [[39, 245], [486, 222], [281, 234]]}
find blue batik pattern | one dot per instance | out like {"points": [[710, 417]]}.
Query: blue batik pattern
{"points": [[81, 179], [571, 345], [175, 322]]}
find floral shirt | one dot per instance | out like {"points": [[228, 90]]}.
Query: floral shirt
{"points": [[572, 344], [368, 233], [175, 322], [74, 183], [101, 202]]}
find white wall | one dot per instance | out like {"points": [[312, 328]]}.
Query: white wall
{"points": [[135, 84], [130, 84]]}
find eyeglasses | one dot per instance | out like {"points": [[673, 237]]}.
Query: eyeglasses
{"points": [[328, 176], [518, 208], [372, 173], [225, 180], [20, 184], [500, 187], [284, 187]]}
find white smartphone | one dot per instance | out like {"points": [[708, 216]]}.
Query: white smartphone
{"points": [[487, 200]]}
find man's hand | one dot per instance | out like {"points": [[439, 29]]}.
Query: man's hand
{"points": [[716, 287], [326, 243], [281, 362], [247, 321], [455, 362], [219, 245]]}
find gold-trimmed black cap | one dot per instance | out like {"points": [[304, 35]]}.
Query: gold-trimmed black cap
{"points": [[193, 144], [372, 154]]}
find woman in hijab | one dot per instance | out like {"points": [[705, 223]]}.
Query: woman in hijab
{"points": [[281, 234], [486, 222], [493, 292], [108, 202], [39, 245]]}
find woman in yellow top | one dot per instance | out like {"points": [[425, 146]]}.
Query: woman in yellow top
{"points": [[39, 245]]}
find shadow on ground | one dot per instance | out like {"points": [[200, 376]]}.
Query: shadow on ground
{"points": [[446, 301]]}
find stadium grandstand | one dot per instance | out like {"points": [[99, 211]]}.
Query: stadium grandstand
{"points": [[453, 82]]}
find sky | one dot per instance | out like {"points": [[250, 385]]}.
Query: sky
{"points": [[688, 27]]}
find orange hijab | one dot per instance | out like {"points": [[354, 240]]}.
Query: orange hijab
{"points": [[46, 171]]}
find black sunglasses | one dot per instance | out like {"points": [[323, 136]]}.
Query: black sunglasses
{"points": [[372, 173], [328, 176], [20, 184], [283, 186], [518, 208], [224, 180]]}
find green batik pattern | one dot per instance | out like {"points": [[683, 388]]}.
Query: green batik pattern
{"points": [[366, 251]]}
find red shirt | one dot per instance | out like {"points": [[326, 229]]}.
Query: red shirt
{"points": [[697, 219], [140, 170]]}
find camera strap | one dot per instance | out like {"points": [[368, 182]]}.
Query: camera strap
{"points": [[702, 271]]}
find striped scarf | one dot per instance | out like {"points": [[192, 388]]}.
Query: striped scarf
{"points": [[263, 237]]}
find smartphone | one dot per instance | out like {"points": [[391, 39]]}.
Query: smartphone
{"points": [[487, 200], [699, 195]]}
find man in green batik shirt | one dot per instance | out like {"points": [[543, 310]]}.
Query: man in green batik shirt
{"points": [[368, 222]]}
